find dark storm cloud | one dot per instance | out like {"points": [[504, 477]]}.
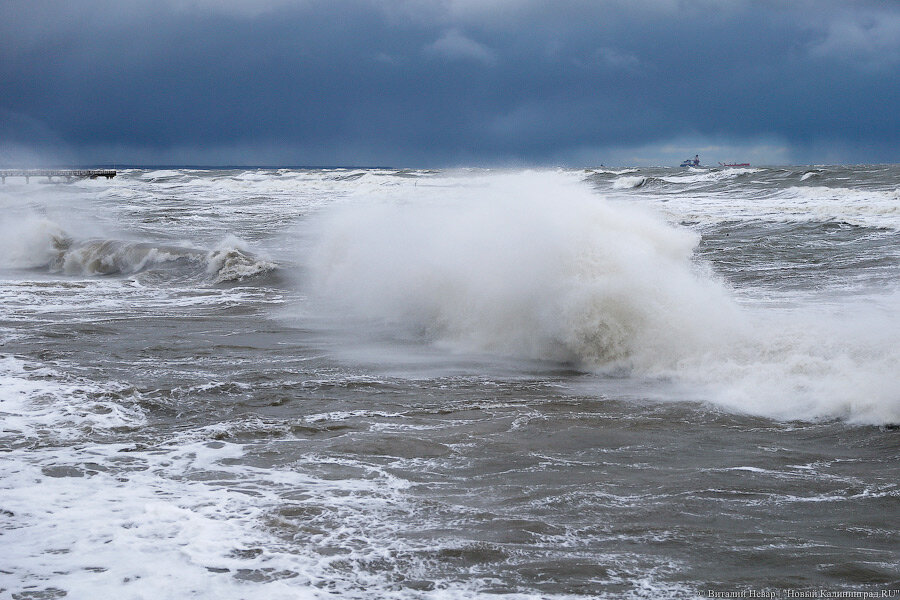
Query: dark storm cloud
{"points": [[407, 82]]}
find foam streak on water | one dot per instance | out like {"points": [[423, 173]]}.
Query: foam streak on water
{"points": [[636, 383]]}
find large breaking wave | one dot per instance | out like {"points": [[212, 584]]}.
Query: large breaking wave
{"points": [[523, 266], [538, 267]]}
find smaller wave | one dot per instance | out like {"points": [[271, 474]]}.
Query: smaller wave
{"points": [[161, 174], [232, 262], [253, 176], [630, 182], [351, 176], [810, 175], [110, 257], [40, 243], [603, 171]]}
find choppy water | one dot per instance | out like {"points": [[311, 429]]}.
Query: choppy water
{"points": [[450, 384]]}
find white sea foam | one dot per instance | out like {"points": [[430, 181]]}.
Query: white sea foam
{"points": [[253, 176], [878, 208], [36, 405], [537, 267], [190, 517], [140, 534], [700, 176], [864, 207], [181, 519], [161, 174]]}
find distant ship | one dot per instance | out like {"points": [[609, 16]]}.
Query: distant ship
{"points": [[692, 162], [734, 164]]}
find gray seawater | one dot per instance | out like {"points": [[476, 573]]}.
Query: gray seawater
{"points": [[644, 383]]}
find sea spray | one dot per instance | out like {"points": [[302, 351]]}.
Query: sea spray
{"points": [[536, 266], [29, 242], [810, 363], [533, 266]]}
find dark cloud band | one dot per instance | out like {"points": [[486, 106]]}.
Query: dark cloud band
{"points": [[397, 82]]}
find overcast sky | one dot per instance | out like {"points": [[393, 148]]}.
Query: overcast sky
{"points": [[448, 83]]}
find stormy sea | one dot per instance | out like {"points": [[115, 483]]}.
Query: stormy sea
{"points": [[445, 384]]}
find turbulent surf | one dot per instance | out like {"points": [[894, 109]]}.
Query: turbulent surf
{"points": [[358, 383]]}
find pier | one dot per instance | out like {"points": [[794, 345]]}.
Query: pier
{"points": [[69, 175]]}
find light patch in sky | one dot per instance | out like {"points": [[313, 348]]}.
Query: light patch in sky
{"points": [[872, 39], [616, 59], [240, 8], [454, 45]]}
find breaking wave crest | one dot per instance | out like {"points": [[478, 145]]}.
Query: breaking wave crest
{"points": [[631, 182], [538, 267]]}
